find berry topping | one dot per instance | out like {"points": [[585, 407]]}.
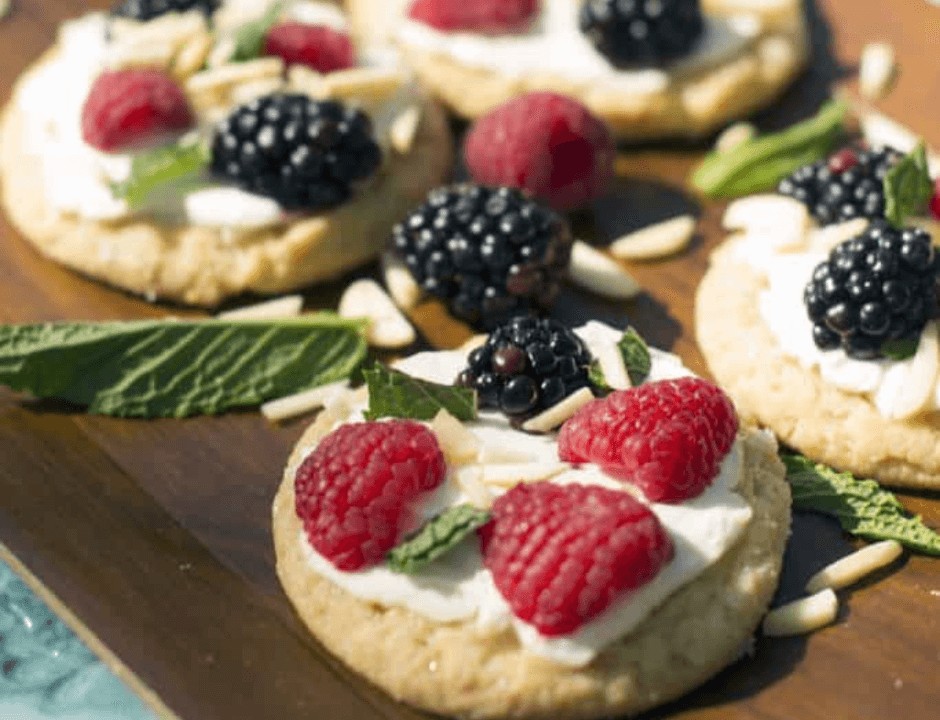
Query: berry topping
{"points": [[848, 185], [526, 366], [128, 108], [304, 153], [356, 492], [480, 16], [667, 437], [490, 253], [562, 554], [149, 9], [548, 144], [878, 287], [638, 32], [316, 46]]}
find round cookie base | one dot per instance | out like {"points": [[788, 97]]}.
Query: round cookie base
{"points": [[456, 669], [693, 106], [775, 391], [202, 266]]}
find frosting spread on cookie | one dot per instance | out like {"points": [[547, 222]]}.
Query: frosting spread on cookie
{"points": [[458, 588]]}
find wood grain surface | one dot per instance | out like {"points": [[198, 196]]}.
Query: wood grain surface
{"points": [[156, 534]]}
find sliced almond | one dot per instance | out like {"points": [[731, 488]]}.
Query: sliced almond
{"points": [[780, 221], [388, 328], [802, 616], [878, 70], [491, 454], [610, 359], [5, 7], [303, 402], [656, 241], [400, 282], [192, 56], [594, 271], [127, 56], [554, 416], [826, 238], [248, 91], [404, 129], [909, 386], [735, 135], [473, 342], [365, 84], [469, 479], [303, 79], [282, 307], [459, 445], [852, 568], [516, 473], [221, 78], [221, 53]]}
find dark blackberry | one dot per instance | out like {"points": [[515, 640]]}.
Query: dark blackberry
{"points": [[489, 253], [304, 153], [847, 185], [149, 9], [878, 287], [642, 32], [527, 365]]}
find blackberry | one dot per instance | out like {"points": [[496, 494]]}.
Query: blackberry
{"points": [[527, 365], [880, 286], [304, 153], [848, 185], [489, 253], [642, 32], [149, 9]]}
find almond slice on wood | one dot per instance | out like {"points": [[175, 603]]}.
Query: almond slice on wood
{"points": [[656, 241], [852, 568], [554, 416], [282, 307], [594, 271], [459, 445], [304, 402], [5, 7], [404, 129], [388, 328], [400, 282], [802, 616], [878, 69]]}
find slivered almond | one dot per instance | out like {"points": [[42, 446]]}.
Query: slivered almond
{"points": [[469, 479], [594, 271], [5, 7], [656, 241], [459, 445], [248, 91], [220, 78], [388, 328], [909, 386], [826, 238], [473, 342], [610, 359], [554, 416], [503, 455], [221, 53], [878, 70], [404, 129], [305, 80], [127, 56], [735, 135], [282, 307], [516, 473], [802, 616], [363, 84], [191, 58], [302, 403], [400, 282], [852, 568]]}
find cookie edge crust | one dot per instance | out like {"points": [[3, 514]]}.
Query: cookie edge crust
{"points": [[458, 670], [203, 266], [843, 430], [690, 108]]}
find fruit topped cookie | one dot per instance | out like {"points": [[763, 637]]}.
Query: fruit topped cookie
{"points": [[196, 150], [670, 68], [556, 524]]}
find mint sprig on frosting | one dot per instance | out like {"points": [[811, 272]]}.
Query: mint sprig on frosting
{"points": [[635, 354], [151, 169], [394, 394], [908, 187], [438, 537]]}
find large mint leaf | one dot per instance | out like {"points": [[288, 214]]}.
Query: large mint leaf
{"points": [[908, 187], [438, 537], [170, 368], [862, 507], [397, 395], [152, 168]]}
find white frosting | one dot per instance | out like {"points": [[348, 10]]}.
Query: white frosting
{"points": [[457, 586], [555, 45]]}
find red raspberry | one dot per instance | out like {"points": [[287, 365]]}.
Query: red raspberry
{"points": [[355, 493], [548, 144], [562, 554], [316, 46], [480, 16], [666, 437], [935, 200], [128, 108]]}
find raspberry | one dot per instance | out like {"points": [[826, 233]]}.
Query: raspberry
{"points": [[481, 16], [126, 108], [548, 144], [562, 554], [355, 493], [316, 46], [666, 437]]}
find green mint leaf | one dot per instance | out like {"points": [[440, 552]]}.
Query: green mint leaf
{"points": [[862, 507], [153, 168], [636, 356], [908, 187], [597, 379], [899, 349], [173, 368], [249, 38], [438, 537], [395, 394], [759, 164]]}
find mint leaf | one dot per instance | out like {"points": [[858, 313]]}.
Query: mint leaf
{"points": [[908, 187], [171, 368], [759, 164], [899, 349], [597, 379], [636, 356], [395, 394], [249, 38], [153, 168], [438, 537], [862, 507]]}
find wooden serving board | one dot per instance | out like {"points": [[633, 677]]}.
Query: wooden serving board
{"points": [[156, 534]]}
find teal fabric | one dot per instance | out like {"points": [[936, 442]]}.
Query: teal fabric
{"points": [[46, 672]]}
